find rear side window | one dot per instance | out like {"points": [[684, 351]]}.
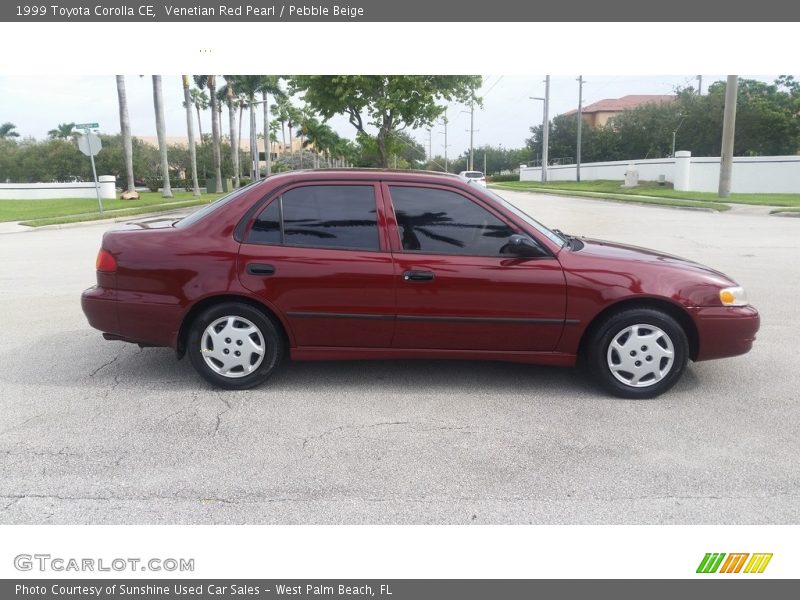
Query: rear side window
{"points": [[326, 216], [441, 222]]}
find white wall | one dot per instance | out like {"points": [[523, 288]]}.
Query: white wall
{"points": [[756, 174], [49, 191]]}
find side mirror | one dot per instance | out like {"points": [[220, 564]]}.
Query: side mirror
{"points": [[523, 246]]}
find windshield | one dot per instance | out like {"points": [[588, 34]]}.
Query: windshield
{"points": [[473, 174], [209, 208], [550, 234]]}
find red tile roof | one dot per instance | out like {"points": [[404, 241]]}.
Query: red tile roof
{"points": [[624, 103]]}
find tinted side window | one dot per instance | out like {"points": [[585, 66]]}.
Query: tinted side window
{"points": [[438, 221], [267, 226], [329, 216]]}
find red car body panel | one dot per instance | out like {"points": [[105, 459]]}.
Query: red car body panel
{"points": [[355, 304]]}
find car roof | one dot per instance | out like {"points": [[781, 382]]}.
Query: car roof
{"points": [[368, 174]]}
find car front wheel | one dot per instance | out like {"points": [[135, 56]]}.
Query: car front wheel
{"points": [[234, 346], [638, 353]]}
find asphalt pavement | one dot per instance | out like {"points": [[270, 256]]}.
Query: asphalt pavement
{"points": [[105, 432]]}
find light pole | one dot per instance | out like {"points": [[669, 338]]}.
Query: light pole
{"points": [[545, 131], [674, 133], [580, 127]]}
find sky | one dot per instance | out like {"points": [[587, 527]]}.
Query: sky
{"points": [[36, 104]]}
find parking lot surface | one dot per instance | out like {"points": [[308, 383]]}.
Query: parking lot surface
{"points": [[105, 432]]}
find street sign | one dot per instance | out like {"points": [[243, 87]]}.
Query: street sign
{"points": [[87, 126], [90, 144]]}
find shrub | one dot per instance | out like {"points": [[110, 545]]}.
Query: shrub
{"points": [[507, 177], [153, 183]]}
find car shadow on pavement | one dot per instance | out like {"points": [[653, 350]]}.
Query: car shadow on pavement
{"points": [[78, 360]]}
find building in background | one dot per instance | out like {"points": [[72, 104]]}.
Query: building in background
{"points": [[598, 113]]}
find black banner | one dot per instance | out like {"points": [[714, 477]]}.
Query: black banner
{"points": [[398, 589], [396, 11]]}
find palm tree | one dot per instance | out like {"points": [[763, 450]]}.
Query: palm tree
{"points": [[210, 81], [187, 102], [125, 131], [317, 136], [294, 117], [226, 92], [7, 131], [250, 85], [63, 131], [158, 105], [199, 99], [281, 117], [269, 85]]}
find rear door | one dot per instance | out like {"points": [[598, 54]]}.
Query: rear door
{"points": [[456, 289], [318, 254]]}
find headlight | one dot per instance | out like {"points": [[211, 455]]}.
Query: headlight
{"points": [[733, 296]]}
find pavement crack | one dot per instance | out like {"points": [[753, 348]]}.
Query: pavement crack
{"points": [[219, 415], [104, 365], [328, 432], [10, 504], [25, 422]]}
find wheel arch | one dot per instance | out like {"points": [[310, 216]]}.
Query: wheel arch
{"points": [[209, 301], [677, 312]]}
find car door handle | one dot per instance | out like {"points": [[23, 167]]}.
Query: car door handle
{"points": [[260, 269], [418, 276]]}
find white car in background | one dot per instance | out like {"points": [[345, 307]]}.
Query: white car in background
{"points": [[475, 176]]}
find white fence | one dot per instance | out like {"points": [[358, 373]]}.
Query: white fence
{"points": [[751, 174], [49, 191]]}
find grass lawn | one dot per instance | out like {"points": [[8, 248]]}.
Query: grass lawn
{"points": [[70, 210], [651, 189]]}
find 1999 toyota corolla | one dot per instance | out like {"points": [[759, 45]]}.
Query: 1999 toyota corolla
{"points": [[355, 264]]}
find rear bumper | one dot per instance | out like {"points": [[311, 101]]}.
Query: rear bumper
{"points": [[725, 331], [100, 308], [132, 317]]}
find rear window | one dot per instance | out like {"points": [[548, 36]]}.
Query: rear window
{"points": [[210, 208], [325, 216]]}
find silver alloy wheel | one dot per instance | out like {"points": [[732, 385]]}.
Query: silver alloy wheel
{"points": [[232, 346], [640, 355]]}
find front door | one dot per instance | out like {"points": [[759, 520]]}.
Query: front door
{"points": [[456, 289]]}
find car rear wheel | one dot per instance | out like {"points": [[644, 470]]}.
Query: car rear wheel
{"points": [[638, 353], [234, 346]]}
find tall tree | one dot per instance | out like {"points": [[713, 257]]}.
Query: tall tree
{"points": [[269, 85], [7, 131], [63, 131], [250, 86], [281, 115], [125, 131], [227, 92], [390, 103], [187, 102], [158, 105], [199, 100], [210, 81]]}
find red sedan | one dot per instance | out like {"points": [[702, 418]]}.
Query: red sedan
{"points": [[360, 264]]}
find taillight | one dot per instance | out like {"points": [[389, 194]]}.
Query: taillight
{"points": [[106, 261]]}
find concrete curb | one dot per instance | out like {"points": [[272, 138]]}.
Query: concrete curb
{"points": [[16, 227]]}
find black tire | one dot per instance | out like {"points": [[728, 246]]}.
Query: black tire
{"points": [[651, 367], [201, 347]]}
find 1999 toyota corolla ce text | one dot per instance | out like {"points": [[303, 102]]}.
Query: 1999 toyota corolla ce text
{"points": [[358, 264]]}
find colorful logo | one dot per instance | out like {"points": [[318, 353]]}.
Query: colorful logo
{"points": [[734, 563]]}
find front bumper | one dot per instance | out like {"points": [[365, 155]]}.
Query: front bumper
{"points": [[725, 331]]}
